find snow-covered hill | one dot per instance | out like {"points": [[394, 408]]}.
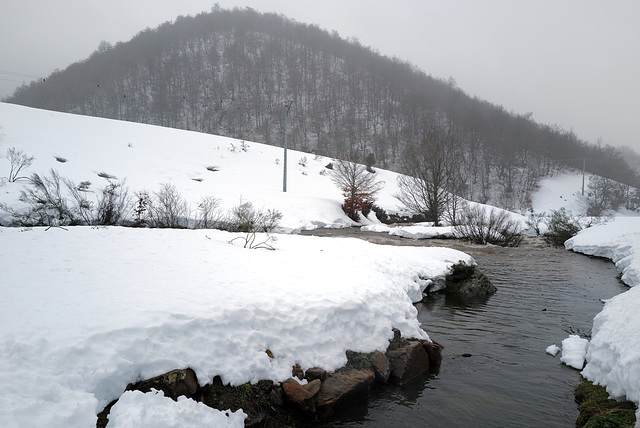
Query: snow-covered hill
{"points": [[85, 311]]}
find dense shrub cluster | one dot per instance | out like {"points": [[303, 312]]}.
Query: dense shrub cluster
{"points": [[56, 201], [560, 226]]}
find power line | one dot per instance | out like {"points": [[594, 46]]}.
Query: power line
{"points": [[19, 74]]}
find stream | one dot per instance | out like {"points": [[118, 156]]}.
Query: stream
{"points": [[495, 371]]}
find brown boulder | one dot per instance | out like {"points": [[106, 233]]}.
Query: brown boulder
{"points": [[313, 387], [381, 366], [316, 373], [297, 395], [407, 362], [343, 388], [434, 351], [174, 384]]}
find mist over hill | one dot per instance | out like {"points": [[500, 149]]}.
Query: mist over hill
{"points": [[230, 73]]}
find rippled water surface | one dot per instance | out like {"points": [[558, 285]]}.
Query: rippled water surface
{"points": [[495, 372]]}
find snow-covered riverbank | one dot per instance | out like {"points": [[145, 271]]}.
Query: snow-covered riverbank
{"points": [[613, 353], [86, 311]]}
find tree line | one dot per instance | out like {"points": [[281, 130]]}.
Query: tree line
{"points": [[229, 72]]}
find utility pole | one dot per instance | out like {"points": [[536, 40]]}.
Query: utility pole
{"points": [[584, 163], [287, 106]]}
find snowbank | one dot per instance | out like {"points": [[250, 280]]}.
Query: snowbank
{"points": [[86, 311], [613, 354], [136, 409], [416, 231], [574, 349]]}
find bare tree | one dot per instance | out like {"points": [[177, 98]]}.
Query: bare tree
{"points": [[358, 186], [432, 176]]}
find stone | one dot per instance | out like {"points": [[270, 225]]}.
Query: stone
{"points": [[434, 351], [407, 362], [469, 282], [316, 373], [313, 387], [174, 384], [296, 371], [343, 388], [298, 396], [381, 366]]}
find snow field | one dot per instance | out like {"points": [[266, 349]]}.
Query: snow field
{"points": [[86, 311], [83, 312]]}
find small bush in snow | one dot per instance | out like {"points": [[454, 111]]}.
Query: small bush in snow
{"points": [[245, 218], [560, 226], [302, 161], [488, 226], [80, 204], [380, 213], [18, 160], [209, 215], [168, 209], [113, 204], [250, 241], [47, 203], [534, 220], [141, 209]]}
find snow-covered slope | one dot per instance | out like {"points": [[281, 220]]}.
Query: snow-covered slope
{"points": [[85, 311], [148, 156]]}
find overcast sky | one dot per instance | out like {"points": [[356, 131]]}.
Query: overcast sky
{"points": [[575, 63]]}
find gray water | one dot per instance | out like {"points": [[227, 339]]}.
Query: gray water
{"points": [[495, 371]]}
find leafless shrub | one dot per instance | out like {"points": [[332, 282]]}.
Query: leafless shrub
{"points": [[81, 206], [209, 214], [18, 160], [488, 226], [141, 209], [47, 204], [245, 218], [113, 203], [168, 209], [249, 241]]}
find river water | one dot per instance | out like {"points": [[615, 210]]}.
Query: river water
{"points": [[495, 371]]}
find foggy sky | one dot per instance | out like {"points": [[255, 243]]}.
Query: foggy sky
{"points": [[575, 63]]}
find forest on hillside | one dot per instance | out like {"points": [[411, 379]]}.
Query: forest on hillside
{"points": [[231, 72]]}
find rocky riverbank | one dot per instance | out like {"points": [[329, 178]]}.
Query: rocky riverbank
{"points": [[312, 395]]}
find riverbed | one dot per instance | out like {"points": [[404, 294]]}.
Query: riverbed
{"points": [[495, 371]]}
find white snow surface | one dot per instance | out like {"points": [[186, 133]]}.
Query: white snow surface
{"points": [[85, 311], [136, 409], [613, 354], [416, 231], [552, 350], [574, 349]]}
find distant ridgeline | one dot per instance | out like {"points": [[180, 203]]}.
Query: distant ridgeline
{"points": [[229, 72]]}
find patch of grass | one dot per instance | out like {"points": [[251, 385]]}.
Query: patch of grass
{"points": [[597, 410]]}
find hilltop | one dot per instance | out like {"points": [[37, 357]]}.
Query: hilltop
{"points": [[229, 73]]}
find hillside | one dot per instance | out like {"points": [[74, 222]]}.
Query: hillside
{"points": [[86, 310], [230, 72]]}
